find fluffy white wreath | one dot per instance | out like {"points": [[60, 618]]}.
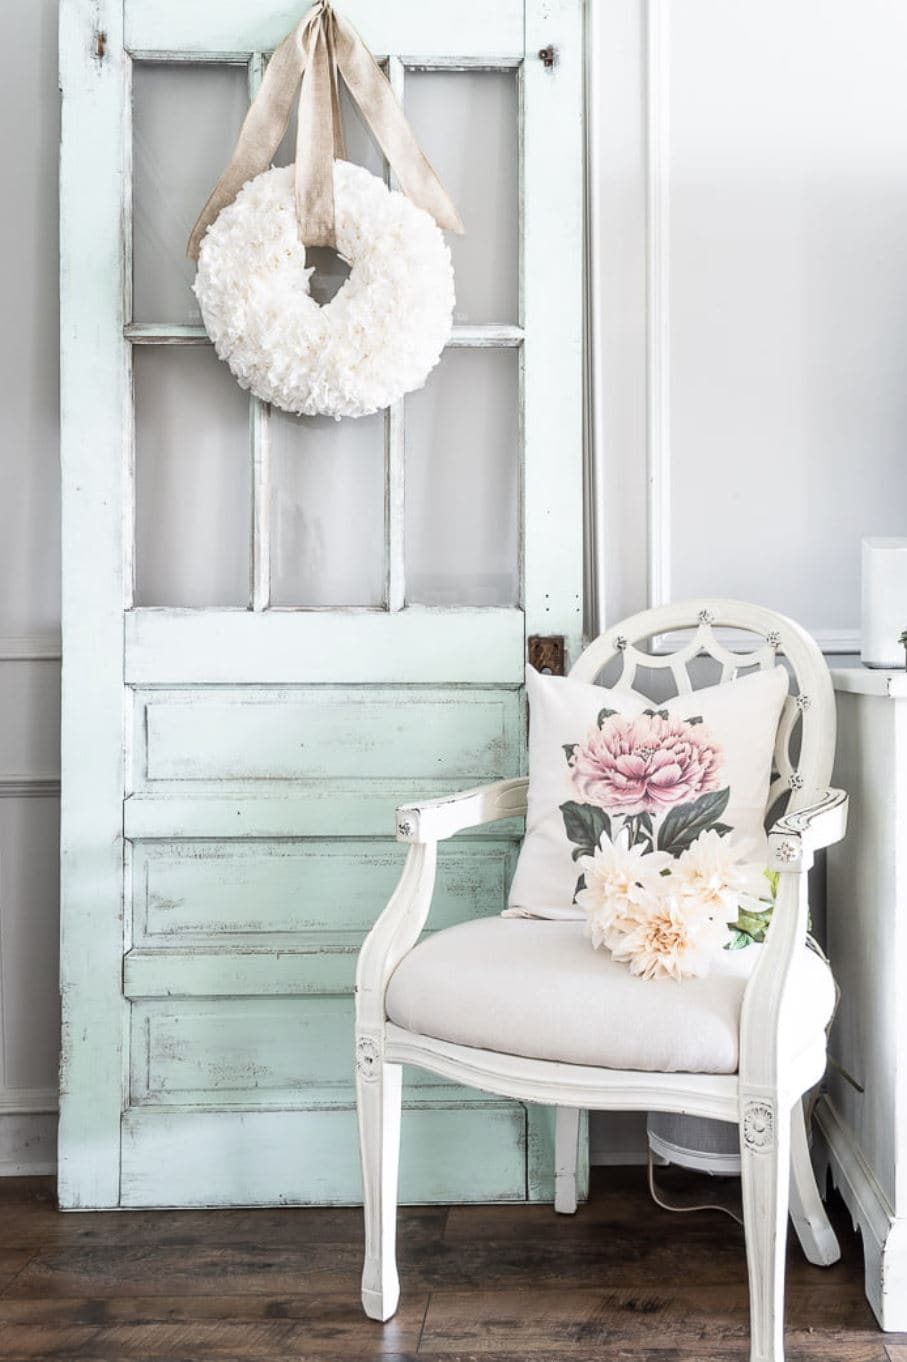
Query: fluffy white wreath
{"points": [[379, 336]]}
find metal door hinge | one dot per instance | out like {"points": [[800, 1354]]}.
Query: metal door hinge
{"points": [[547, 56], [547, 653]]}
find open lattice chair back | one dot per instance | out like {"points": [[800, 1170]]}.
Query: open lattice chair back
{"points": [[683, 645], [759, 638]]}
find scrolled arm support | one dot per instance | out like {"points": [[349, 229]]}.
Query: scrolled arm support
{"points": [[398, 928], [434, 820], [792, 841]]}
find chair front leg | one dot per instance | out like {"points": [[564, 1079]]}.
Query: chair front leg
{"points": [[378, 1099], [765, 1170]]}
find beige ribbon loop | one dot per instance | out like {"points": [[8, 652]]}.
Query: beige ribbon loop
{"points": [[321, 45]]}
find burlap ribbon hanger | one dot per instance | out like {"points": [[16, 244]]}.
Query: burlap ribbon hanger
{"points": [[321, 48]]}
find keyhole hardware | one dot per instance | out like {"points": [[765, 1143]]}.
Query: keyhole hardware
{"points": [[547, 653], [547, 56]]}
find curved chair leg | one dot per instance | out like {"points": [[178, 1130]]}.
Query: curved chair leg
{"points": [[765, 1172], [378, 1096], [817, 1238], [566, 1153]]}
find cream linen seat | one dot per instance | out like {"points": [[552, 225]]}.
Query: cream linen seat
{"points": [[537, 988]]}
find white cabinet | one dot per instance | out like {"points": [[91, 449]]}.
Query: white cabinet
{"points": [[866, 1132]]}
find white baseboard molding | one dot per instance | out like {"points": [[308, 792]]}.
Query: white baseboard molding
{"points": [[884, 1233], [47, 647], [28, 1143], [28, 1101]]}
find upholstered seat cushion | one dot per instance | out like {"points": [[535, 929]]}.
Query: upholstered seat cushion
{"points": [[537, 988]]}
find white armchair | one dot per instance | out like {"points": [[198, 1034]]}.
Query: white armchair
{"points": [[781, 1044]]}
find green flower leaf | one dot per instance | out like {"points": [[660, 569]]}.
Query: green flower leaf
{"points": [[580, 886], [684, 823], [738, 941], [656, 713], [754, 925], [696, 719], [604, 714], [722, 829], [569, 749], [584, 825]]}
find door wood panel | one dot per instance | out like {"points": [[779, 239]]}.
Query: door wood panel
{"points": [[248, 891], [204, 737], [215, 1158], [471, 31]]}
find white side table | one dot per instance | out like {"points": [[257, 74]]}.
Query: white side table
{"points": [[866, 1133]]}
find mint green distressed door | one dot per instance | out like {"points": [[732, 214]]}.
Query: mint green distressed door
{"points": [[275, 630]]}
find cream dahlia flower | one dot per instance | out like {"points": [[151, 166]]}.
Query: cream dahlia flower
{"points": [[616, 876], [712, 873], [665, 936]]}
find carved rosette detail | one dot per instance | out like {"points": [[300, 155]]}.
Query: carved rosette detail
{"points": [[620, 643], [404, 827], [706, 617], [803, 702], [758, 1127], [368, 1057], [788, 851], [795, 780], [773, 639]]}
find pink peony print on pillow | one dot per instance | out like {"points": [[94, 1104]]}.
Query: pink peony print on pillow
{"points": [[644, 765]]}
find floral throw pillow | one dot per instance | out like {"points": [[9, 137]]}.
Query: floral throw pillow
{"points": [[653, 776]]}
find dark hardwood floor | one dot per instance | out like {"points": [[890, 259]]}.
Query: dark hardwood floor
{"points": [[622, 1279]]}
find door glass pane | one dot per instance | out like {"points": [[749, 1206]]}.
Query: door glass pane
{"points": [[185, 119], [361, 147], [462, 481], [327, 510], [193, 486], [466, 123]]}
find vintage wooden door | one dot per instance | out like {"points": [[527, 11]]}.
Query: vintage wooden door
{"points": [[276, 630]]}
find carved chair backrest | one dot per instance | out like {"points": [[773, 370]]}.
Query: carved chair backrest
{"points": [[805, 744]]}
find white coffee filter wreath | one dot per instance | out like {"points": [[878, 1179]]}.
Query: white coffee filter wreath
{"points": [[384, 331]]}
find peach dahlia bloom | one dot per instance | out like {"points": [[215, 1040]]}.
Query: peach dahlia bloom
{"points": [[667, 937]]}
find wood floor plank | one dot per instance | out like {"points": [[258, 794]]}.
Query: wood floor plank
{"points": [[326, 1313], [497, 1321], [213, 1342], [29, 1218], [685, 1350], [181, 1270], [12, 1263]]}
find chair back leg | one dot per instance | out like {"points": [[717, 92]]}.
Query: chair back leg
{"points": [[765, 1175], [807, 1210], [566, 1154], [379, 1099]]}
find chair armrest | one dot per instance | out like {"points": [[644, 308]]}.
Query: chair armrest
{"points": [[394, 934], [764, 1051], [398, 928], [795, 835], [433, 820]]}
